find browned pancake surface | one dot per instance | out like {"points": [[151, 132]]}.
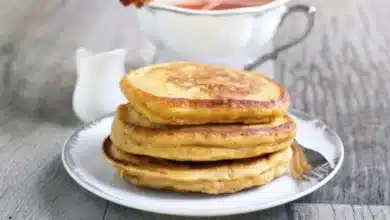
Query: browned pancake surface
{"points": [[125, 128], [193, 93], [207, 177]]}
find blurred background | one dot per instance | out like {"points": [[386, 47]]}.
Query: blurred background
{"points": [[38, 40]]}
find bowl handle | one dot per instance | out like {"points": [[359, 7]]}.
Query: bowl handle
{"points": [[309, 12]]}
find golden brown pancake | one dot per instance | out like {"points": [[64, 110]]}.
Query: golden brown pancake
{"points": [[198, 152], [132, 116], [185, 93], [206, 177], [216, 135]]}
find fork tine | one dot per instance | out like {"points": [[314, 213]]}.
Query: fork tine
{"points": [[326, 165], [313, 176], [320, 172], [321, 167]]}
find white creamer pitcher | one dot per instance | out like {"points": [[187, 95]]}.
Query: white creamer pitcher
{"points": [[97, 91]]}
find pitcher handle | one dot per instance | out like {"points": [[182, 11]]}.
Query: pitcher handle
{"points": [[309, 12]]}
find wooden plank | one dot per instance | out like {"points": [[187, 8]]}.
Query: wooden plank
{"points": [[341, 74], [34, 184], [330, 212], [116, 212], [298, 211]]}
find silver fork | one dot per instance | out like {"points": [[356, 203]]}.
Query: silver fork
{"points": [[321, 168]]}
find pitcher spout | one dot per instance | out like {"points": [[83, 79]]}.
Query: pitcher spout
{"points": [[97, 89]]}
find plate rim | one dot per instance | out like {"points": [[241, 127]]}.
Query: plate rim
{"points": [[209, 213]]}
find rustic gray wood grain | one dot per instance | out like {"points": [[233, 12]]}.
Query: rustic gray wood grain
{"points": [[331, 211], [297, 211], [340, 74], [116, 212]]}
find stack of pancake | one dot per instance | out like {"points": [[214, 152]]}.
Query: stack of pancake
{"points": [[200, 128]]}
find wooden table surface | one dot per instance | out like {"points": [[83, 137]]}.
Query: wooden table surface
{"points": [[340, 74]]}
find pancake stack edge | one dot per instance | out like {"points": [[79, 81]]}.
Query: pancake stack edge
{"points": [[200, 128]]}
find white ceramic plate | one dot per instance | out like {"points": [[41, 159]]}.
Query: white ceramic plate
{"points": [[82, 158]]}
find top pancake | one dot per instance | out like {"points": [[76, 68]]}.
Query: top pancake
{"points": [[185, 93]]}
